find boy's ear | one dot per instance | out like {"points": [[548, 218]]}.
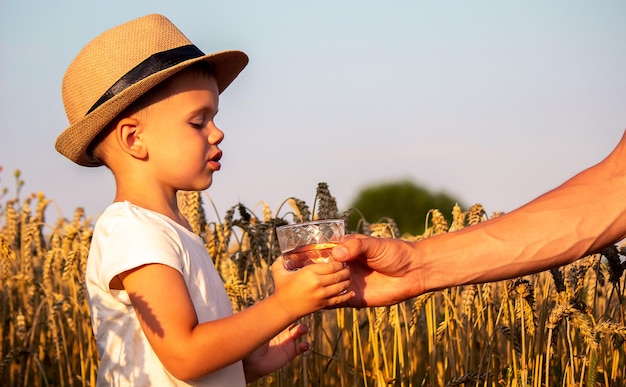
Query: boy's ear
{"points": [[129, 138]]}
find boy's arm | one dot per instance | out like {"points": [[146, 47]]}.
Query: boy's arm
{"points": [[583, 215], [190, 350]]}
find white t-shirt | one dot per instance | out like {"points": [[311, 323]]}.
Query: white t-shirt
{"points": [[125, 237]]}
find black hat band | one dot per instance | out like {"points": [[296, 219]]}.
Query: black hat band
{"points": [[151, 65]]}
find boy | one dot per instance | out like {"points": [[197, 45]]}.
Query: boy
{"points": [[141, 99]]}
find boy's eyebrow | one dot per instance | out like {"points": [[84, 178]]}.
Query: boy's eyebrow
{"points": [[204, 109]]}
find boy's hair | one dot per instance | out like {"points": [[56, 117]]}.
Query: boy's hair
{"points": [[97, 152], [119, 66]]}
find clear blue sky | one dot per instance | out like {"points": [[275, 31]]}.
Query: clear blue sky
{"points": [[493, 102]]}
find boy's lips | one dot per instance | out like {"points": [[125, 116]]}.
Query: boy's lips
{"points": [[214, 161]]}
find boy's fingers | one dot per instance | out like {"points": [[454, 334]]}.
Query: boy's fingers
{"points": [[340, 298], [298, 329], [339, 287], [326, 268], [302, 347], [278, 265]]}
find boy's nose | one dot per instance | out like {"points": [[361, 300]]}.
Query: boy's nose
{"points": [[215, 136]]}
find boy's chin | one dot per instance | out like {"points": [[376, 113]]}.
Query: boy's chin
{"points": [[207, 182], [198, 187]]}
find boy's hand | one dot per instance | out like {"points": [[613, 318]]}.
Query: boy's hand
{"points": [[311, 288], [279, 351]]}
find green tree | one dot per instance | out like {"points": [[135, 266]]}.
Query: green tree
{"points": [[403, 201]]}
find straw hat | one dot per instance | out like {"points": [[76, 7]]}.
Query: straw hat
{"points": [[120, 65]]}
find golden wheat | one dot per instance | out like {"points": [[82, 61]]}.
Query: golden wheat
{"points": [[561, 327]]}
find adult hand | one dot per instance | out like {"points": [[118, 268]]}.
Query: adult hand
{"points": [[383, 271]]}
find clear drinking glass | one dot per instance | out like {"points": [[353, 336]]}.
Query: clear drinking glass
{"points": [[302, 244]]}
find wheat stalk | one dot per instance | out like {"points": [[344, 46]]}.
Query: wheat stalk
{"points": [[472, 335]]}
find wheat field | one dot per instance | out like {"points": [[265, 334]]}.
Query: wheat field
{"points": [[564, 327]]}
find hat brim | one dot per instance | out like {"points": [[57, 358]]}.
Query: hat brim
{"points": [[74, 142]]}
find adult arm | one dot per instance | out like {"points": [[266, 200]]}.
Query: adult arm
{"points": [[579, 217]]}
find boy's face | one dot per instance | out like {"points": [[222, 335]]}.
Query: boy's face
{"points": [[181, 136]]}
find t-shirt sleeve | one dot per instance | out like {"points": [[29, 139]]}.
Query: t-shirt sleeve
{"points": [[133, 239]]}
